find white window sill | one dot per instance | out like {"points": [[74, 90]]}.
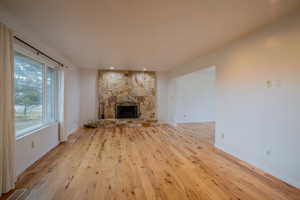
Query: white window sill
{"points": [[35, 129]]}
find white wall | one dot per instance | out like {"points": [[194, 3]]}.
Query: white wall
{"points": [[72, 100], [162, 97], [195, 97], [259, 121], [32, 147], [46, 138], [88, 96], [171, 95]]}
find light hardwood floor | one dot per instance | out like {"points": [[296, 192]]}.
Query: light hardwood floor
{"points": [[147, 163]]}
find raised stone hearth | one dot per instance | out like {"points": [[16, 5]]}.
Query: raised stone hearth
{"points": [[109, 123]]}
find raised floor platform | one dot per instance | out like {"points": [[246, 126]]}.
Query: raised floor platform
{"points": [[131, 123]]}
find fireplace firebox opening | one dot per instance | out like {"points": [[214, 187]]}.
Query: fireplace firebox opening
{"points": [[127, 110]]}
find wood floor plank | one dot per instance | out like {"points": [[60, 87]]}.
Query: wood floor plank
{"points": [[148, 163]]}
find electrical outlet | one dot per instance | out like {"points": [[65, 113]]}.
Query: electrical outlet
{"points": [[185, 116], [269, 83], [32, 144], [268, 152]]}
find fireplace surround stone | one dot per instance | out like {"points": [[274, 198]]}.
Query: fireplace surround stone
{"points": [[117, 87]]}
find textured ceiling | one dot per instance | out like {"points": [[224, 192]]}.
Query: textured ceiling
{"points": [[137, 34]]}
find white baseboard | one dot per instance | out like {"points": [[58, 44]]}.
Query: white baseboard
{"points": [[73, 130], [174, 124]]}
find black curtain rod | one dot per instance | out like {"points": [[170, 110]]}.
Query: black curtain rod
{"points": [[38, 51]]}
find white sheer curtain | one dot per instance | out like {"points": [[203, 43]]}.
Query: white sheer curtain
{"points": [[61, 106], [7, 132]]}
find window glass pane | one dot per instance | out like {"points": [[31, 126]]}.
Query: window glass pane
{"points": [[51, 93], [28, 93]]}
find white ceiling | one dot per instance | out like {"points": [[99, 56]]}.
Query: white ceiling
{"points": [[137, 34]]}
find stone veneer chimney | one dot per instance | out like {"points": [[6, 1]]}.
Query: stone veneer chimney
{"points": [[116, 87]]}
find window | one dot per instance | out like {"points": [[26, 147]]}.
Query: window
{"points": [[35, 94], [51, 94]]}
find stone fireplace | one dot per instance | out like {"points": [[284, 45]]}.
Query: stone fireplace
{"points": [[127, 95]]}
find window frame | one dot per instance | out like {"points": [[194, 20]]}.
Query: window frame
{"points": [[56, 92], [46, 63]]}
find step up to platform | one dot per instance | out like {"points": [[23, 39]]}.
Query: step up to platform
{"points": [[131, 123]]}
